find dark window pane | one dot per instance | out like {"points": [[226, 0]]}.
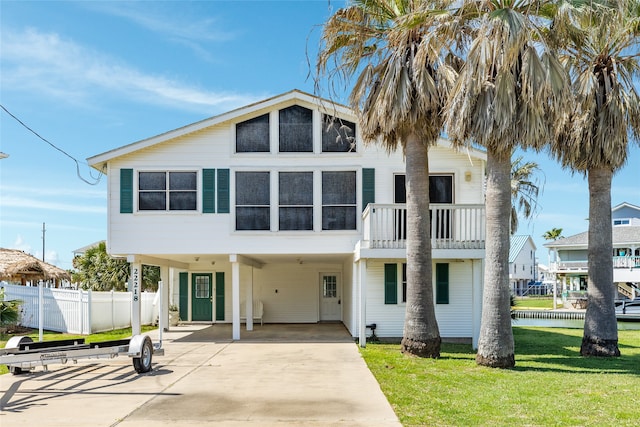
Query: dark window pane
{"points": [[182, 181], [296, 188], [338, 218], [252, 218], [296, 129], [338, 135], [252, 188], [400, 189], [152, 201], [441, 189], [296, 218], [152, 181], [252, 136], [182, 200], [338, 188]]}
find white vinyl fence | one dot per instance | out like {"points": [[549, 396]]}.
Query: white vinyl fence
{"points": [[80, 312]]}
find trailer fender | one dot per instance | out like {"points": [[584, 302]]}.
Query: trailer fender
{"points": [[135, 345], [14, 342]]}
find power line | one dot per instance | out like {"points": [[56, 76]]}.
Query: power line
{"points": [[95, 179]]}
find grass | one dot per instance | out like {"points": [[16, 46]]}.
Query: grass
{"points": [[524, 303], [50, 336], [550, 385]]}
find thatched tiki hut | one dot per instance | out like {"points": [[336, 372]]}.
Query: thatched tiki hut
{"points": [[17, 266]]}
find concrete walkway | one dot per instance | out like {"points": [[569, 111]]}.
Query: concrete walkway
{"points": [[308, 375]]}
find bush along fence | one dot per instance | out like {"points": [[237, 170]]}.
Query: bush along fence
{"points": [[78, 311]]}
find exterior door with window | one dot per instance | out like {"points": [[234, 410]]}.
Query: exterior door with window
{"points": [[202, 297], [330, 300], [440, 191]]}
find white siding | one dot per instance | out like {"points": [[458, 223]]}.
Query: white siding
{"points": [[454, 319]]}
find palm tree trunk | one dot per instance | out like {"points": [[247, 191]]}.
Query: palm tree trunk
{"points": [[600, 336], [421, 336], [495, 344]]}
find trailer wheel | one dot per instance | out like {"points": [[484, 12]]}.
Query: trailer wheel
{"points": [[142, 364]]}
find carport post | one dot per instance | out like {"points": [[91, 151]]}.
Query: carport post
{"points": [[235, 296], [362, 332], [134, 288]]}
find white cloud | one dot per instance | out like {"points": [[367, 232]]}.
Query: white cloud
{"points": [[22, 202], [21, 245], [53, 191], [50, 64], [153, 17]]}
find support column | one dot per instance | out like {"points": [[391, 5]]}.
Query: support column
{"points": [[235, 298], [134, 287], [164, 308], [362, 324], [476, 298], [249, 303]]}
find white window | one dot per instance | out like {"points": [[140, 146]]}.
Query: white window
{"points": [[161, 191], [253, 201], [339, 200]]}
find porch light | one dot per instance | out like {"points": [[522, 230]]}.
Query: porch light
{"points": [[467, 176]]}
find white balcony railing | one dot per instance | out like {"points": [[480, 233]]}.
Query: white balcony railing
{"points": [[618, 262], [452, 226]]}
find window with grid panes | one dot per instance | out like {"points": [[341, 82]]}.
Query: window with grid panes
{"points": [[174, 191]]}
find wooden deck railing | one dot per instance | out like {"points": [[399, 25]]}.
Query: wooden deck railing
{"points": [[452, 226]]}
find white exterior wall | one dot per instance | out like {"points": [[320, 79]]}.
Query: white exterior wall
{"points": [[202, 243], [526, 259], [455, 320]]}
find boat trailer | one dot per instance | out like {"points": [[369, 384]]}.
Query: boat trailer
{"points": [[22, 354]]}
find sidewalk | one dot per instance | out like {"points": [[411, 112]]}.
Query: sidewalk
{"points": [[309, 377]]}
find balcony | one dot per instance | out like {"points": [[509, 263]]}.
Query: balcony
{"points": [[582, 266], [452, 226]]}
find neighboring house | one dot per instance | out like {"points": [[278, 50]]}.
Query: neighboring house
{"points": [[281, 202], [522, 266], [571, 254]]}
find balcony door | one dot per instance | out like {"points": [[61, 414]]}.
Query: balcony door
{"points": [[440, 191]]}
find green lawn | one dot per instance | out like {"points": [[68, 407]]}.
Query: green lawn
{"points": [[523, 303], [50, 336], [550, 385]]}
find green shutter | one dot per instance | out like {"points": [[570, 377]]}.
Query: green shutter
{"points": [[220, 296], [184, 295], [208, 190], [223, 190], [442, 283], [391, 283], [368, 187], [126, 190]]}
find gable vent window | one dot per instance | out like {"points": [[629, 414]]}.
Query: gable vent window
{"points": [[252, 136], [338, 136], [296, 130], [162, 191]]}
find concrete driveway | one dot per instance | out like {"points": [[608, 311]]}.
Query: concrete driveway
{"points": [[309, 375]]}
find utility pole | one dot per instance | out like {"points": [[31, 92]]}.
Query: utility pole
{"points": [[43, 230]]}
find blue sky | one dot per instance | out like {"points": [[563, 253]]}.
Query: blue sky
{"points": [[93, 76]]}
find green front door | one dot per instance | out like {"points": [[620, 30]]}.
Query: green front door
{"points": [[202, 298]]}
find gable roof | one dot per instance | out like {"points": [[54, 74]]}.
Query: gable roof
{"points": [[625, 205], [291, 97], [517, 244], [627, 234]]}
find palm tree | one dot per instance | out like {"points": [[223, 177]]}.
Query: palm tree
{"points": [[553, 234], [603, 60], [402, 82], [508, 89], [524, 190]]}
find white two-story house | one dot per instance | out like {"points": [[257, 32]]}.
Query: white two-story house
{"points": [[281, 202], [571, 253]]}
